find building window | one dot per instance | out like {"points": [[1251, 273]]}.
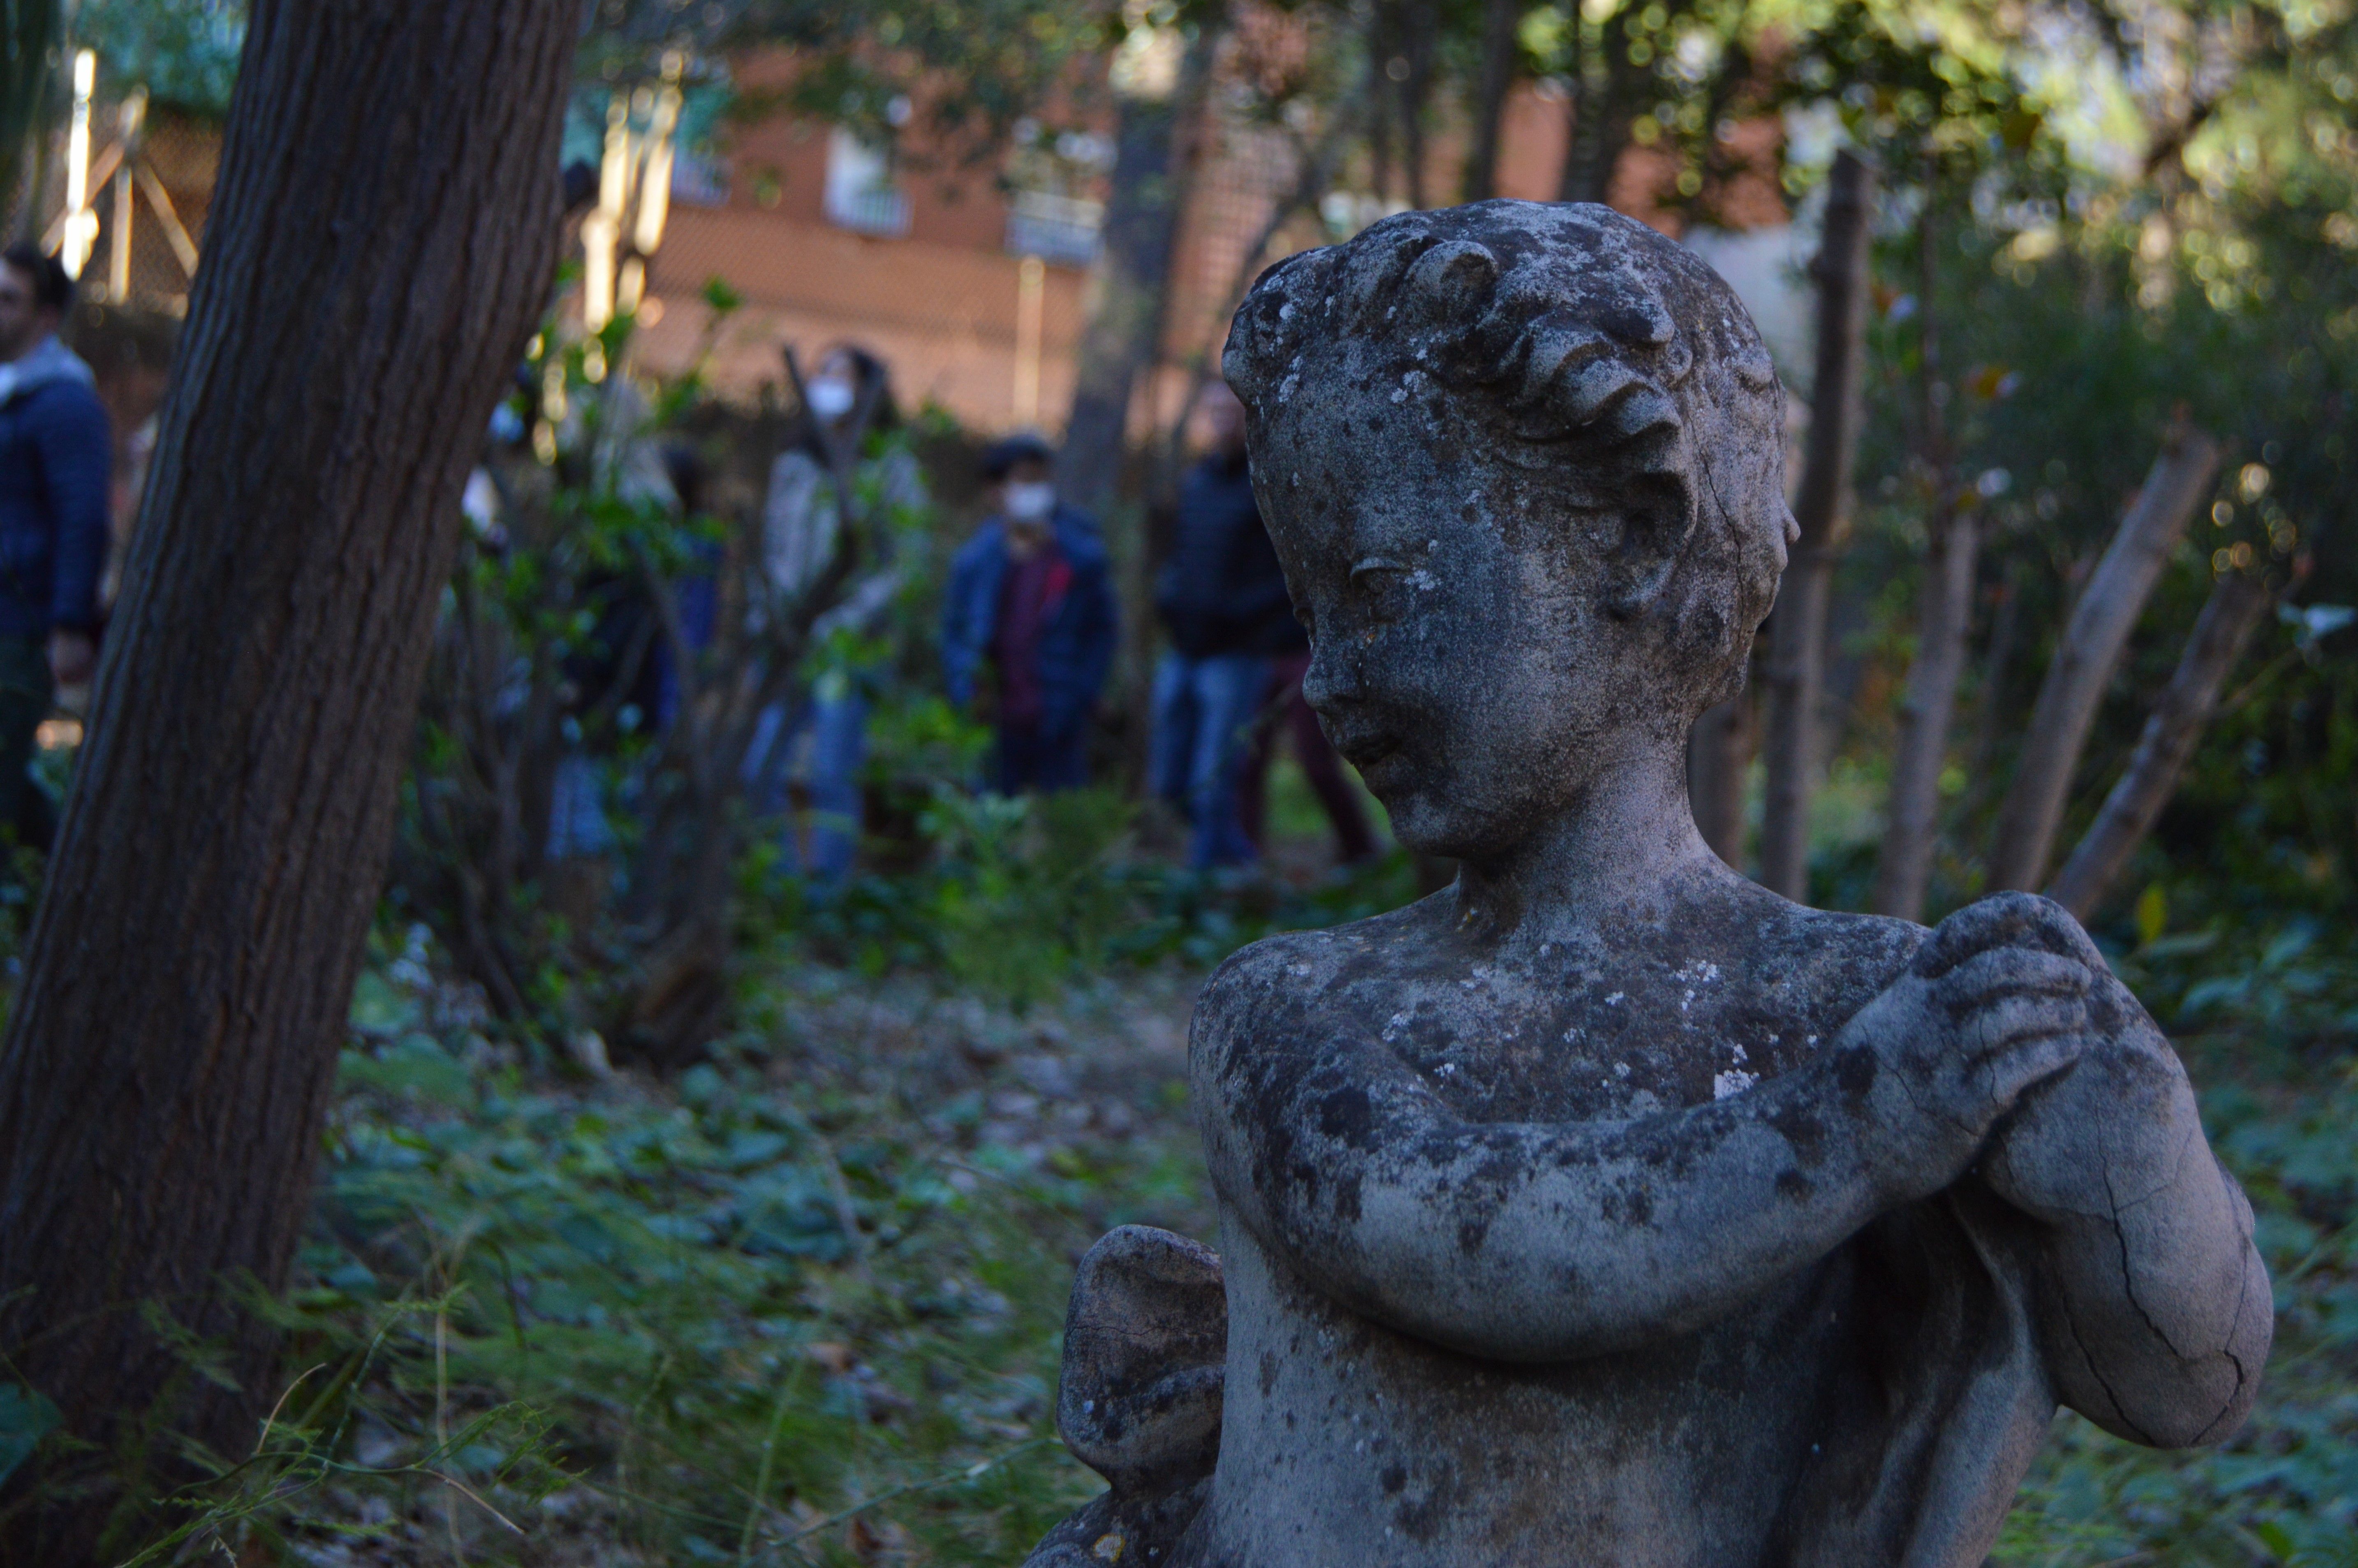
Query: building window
{"points": [[860, 195], [1061, 229], [699, 179]]}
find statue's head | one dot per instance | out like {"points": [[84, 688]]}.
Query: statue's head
{"points": [[1524, 465]]}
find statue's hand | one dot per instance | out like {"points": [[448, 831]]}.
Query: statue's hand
{"points": [[2120, 1126], [1995, 1001]]}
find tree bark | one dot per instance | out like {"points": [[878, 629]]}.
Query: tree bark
{"points": [[1152, 159], [2229, 617], [29, 32], [1719, 751], [1599, 112], [380, 247], [2005, 618], [1905, 863], [2092, 642], [1501, 22], [1797, 630], [1942, 621], [1418, 27]]}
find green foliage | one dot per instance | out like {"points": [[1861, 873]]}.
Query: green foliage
{"points": [[801, 1305], [1018, 899], [2061, 382], [2285, 1489], [27, 1416], [29, 30], [184, 52], [722, 1321], [966, 71]]}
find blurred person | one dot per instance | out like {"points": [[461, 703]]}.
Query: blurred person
{"points": [[56, 451], [815, 747], [1284, 714], [610, 443], [1032, 595], [1222, 599]]}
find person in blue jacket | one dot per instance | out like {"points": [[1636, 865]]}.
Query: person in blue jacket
{"points": [[55, 452], [1031, 597]]}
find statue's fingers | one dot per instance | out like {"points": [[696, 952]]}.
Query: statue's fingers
{"points": [[1991, 923], [2004, 919], [1998, 972], [2016, 1021], [2032, 1059]]}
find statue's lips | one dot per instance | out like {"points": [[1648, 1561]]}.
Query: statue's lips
{"points": [[1367, 752]]}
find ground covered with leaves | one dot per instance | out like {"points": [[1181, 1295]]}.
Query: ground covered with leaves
{"points": [[801, 1305]]}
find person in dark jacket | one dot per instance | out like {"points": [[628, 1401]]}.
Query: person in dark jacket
{"points": [[1283, 715], [55, 452], [1031, 597], [1223, 603]]}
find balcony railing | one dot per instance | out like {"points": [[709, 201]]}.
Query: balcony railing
{"points": [[880, 210], [699, 182], [1061, 229]]}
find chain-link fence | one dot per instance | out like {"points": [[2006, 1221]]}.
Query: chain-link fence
{"points": [[147, 179]]}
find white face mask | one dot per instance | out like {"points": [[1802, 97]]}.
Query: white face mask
{"points": [[1031, 503], [831, 399]]}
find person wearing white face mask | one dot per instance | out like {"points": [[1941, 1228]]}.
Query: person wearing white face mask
{"points": [[831, 396], [1031, 597], [814, 748]]}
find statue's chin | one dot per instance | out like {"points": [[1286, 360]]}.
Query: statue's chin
{"points": [[1428, 827]]}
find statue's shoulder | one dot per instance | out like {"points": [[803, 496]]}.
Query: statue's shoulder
{"points": [[1831, 961], [1285, 974]]}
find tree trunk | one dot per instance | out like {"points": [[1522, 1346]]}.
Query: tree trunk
{"points": [[2228, 619], [30, 31], [2092, 642], [1906, 861], [1719, 751], [1417, 28], [380, 246], [1608, 94], [1501, 22], [1797, 630], [1942, 621], [1131, 293], [2005, 618]]}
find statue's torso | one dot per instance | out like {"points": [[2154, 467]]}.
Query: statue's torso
{"points": [[1346, 1442]]}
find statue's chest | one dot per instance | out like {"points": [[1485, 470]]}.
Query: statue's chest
{"points": [[1589, 1042]]}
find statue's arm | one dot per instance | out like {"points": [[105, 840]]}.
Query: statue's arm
{"points": [[1552, 1241], [2154, 1306]]}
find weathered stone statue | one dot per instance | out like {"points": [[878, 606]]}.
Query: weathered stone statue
{"points": [[1605, 1209]]}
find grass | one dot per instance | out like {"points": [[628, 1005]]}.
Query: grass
{"points": [[2285, 1489], [802, 1305]]}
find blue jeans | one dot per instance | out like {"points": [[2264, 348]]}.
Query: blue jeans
{"points": [[1027, 758], [1202, 707], [838, 732], [577, 809]]}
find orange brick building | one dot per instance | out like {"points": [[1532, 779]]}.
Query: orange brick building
{"points": [[970, 277], [975, 288]]}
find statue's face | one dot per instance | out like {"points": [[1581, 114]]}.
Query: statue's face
{"points": [[1461, 657]]}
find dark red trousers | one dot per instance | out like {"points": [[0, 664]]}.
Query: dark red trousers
{"points": [[1283, 709]]}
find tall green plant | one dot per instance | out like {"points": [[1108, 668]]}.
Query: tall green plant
{"points": [[28, 37]]}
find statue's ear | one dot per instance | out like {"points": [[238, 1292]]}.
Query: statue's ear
{"points": [[1451, 284], [1657, 505]]}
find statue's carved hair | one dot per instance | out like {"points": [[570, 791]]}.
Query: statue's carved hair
{"points": [[1590, 349]]}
